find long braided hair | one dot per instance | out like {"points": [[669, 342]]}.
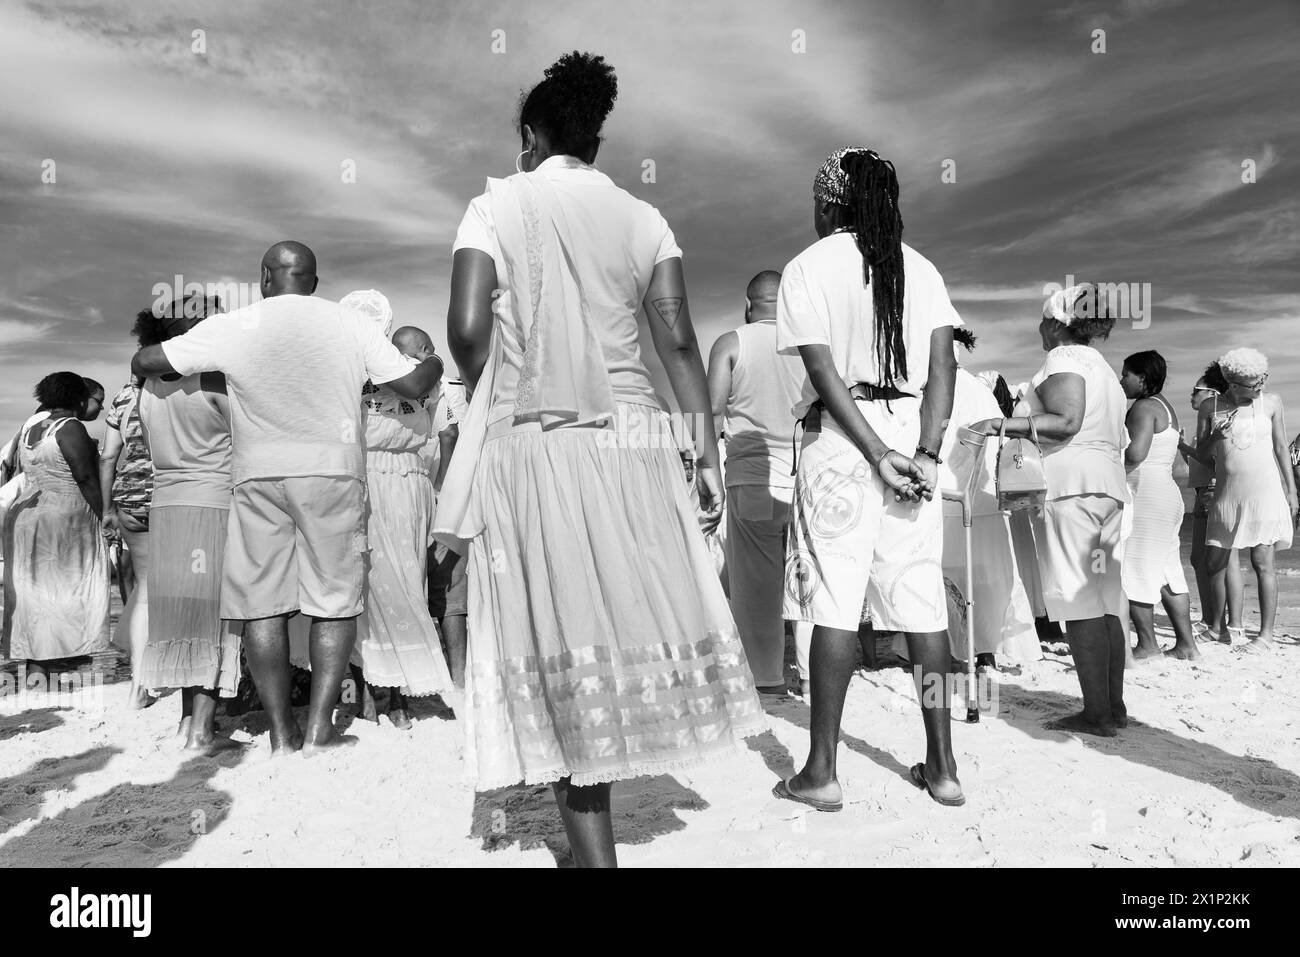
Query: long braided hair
{"points": [[877, 226]]}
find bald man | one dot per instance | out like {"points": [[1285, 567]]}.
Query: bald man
{"points": [[295, 364], [753, 391]]}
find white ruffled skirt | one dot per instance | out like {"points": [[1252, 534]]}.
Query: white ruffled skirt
{"points": [[601, 646]]}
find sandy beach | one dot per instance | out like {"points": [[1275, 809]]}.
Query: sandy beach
{"points": [[1208, 775]]}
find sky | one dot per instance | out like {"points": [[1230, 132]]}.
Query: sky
{"points": [[1025, 153]]}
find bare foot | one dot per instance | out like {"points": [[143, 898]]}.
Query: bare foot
{"points": [[1145, 652], [140, 698], [401, 719], [1119, 715], [183, 729], [830, 792], [1183, 652], [213, 745], [1079, 724], [282, 746], [330, 740]]}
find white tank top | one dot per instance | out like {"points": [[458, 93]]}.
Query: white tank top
{"points": [[759, 423]]}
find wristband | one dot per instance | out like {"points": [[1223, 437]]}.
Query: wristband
{"points": [[929, 455]]}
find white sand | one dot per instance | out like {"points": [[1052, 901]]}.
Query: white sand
{"points": [[1210, 777]]}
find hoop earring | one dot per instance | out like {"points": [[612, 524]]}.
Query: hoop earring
{"points": [[519, 168]]}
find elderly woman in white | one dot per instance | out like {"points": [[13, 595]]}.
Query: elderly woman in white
{"points": [[1243, 434], [1078, 407]]}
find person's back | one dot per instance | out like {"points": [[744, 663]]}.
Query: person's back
{"points": [[43, 461], [760, 422], [188, 430], [827, 276], [294, 370], [1159, 463], [1090, 462], [614, 241]]}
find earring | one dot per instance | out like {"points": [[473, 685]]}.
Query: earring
{"points": [[518, 167]]}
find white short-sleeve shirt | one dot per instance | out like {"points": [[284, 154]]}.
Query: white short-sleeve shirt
{"points": [[294, 370], [618, 240], [824, 300]]}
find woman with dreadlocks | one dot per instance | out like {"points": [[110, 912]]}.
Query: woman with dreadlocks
{"points": [[871, 319], [601, 646]]}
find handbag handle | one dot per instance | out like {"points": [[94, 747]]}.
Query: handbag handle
{"points": [[1033, 432]]}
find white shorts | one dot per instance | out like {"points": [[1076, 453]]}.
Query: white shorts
{"points": [[850, 539]]}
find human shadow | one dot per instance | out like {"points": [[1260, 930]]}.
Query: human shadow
{"points": [[1255, 782], [131, 825], [22, 795], [525, 815], [30, 722], [779, 761]]}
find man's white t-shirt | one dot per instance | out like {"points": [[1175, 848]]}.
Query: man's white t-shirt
{"points": [[294, 370], [823, 300]]}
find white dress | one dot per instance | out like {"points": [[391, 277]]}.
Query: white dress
{"points": [[1250, 506], [1152, 552]]}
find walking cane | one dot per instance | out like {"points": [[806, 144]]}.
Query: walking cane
{"points": [[975, 442]]}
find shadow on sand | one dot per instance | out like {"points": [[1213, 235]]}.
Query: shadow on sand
{"points": [[643, 809], [133, 825]]}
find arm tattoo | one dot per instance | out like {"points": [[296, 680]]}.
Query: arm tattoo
{"points": [[669, 309]]}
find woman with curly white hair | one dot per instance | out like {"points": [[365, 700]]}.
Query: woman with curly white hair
{"points": [[1255, 503]]}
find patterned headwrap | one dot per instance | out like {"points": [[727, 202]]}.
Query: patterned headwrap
{"points": [[372, 304], [831, 184]]}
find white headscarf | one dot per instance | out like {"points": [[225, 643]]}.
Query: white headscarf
{"points": [[372, 304], [1064, 306]]}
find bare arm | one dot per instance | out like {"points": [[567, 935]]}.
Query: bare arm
{"points": [[446, 446], [722, 359], [899, 471], [674, 340], [1206, 434], [469, 313], [837, 399], [109, 453], [936, 403], [1141, 423], [1062, 396], [1295, 469], [79, 452], [1282, 453], [151, 361], [421, 380]]}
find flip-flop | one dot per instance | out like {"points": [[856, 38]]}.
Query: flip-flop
{"points": [[918, 778], [783, 791]]}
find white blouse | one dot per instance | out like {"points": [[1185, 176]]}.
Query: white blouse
{"points": [[1092, 461]]}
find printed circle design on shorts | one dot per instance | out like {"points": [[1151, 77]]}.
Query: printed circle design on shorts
{"points": [[903, 589], [837, 499], [801, 579]]}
